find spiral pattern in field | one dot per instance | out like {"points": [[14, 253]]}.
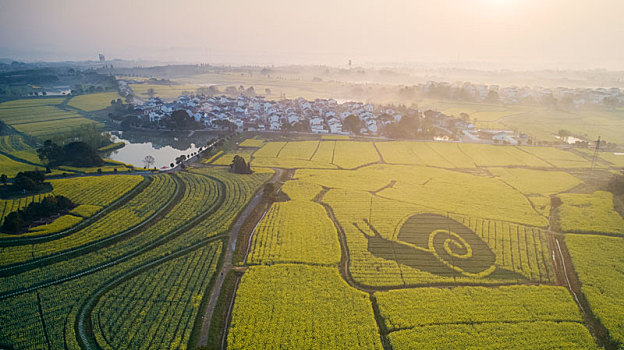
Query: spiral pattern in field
{"points": [[453, 243]]}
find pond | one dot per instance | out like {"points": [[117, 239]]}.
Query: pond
{"points": [[164, 149]]}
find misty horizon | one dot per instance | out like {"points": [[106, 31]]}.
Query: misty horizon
{"points": [[491, 34]]}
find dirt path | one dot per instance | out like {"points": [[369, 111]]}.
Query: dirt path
{"points": [[227, 262]]}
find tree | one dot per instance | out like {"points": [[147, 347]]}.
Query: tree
{"points": [[29, 180], [239, 166], [353, 124], [250, 92], [148, 161], [407, 127], [207, 90], [180, 159], [51, 152], [564, 134], [4, 179], [81, 154], [13, 222], [181, 120], [492, 97], [50, 205]]}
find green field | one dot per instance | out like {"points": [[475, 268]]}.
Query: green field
{"points": [[538, 122], [295, 231], [353, 154], [93, 102], [166, 92], [599, 264], [187, 236], [517, 317], [41, 118], [475, 215], [16, 146], [590, 213], [355, 245], [301, 307]]}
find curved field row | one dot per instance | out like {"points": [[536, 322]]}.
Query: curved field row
{"points": [[11, 168], [197, 203], [59, 224], [89, 212], [141, 208], [10, 205], [17, 147], [53, 314], [60, 299], [239, 189], [157, 308], [92, 190], [95, 190]]}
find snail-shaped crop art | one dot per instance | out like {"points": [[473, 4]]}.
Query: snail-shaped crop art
{"points": [[436, 244]]}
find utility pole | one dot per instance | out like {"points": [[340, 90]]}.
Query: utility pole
{"points": [[595, 155]]}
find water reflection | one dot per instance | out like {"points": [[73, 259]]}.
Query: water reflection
{"points": [[164, 149]]}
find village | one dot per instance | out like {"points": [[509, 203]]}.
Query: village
{"points": [[321, 116]]}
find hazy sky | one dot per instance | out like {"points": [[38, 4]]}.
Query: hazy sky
{"points": [[553, 33]]}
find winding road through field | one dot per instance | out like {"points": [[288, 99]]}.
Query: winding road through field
{"points": [[227, 261]]}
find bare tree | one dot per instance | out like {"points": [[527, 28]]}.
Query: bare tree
{"points": [[148, 161]]}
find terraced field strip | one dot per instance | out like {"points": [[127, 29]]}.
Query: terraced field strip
{"points": [[10, 242], [99, 243], [129, 248], [84, 327], [60, 302], [41, 117], [15, 147], [93, 102]]}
